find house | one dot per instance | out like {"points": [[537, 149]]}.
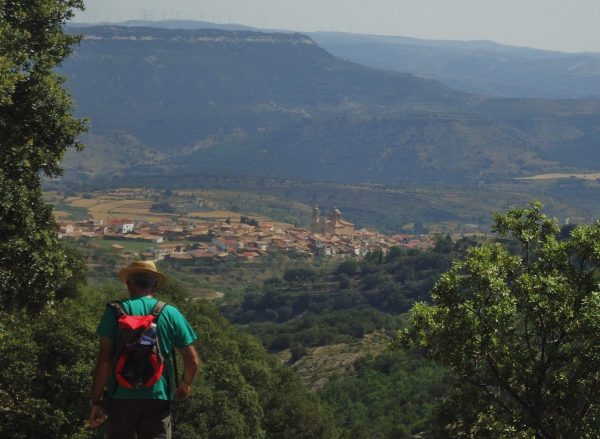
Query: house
{"points": [[67, 229], [226, 257], [227, 244], [266, 227], [261, 245], [123, 226], [249, 255], [179, 257], [166, 249]]}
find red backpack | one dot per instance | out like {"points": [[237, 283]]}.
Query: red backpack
{"points": [[139, 361]]}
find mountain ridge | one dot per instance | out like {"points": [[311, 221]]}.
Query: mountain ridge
{"points": [[214, 100], [475, 66]]}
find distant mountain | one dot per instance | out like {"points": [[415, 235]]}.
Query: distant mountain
{"points": [[481, 67], [197, 102], [170, 24]]}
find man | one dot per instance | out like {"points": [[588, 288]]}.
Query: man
{"points": [[145, 411]]}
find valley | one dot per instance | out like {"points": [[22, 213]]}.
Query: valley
{"points": [[283, 125], [373, 237]]}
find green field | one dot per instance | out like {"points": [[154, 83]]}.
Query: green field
{"points": [[128, 246]]}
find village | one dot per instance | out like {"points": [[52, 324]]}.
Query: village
{"points": [[185, 240]]}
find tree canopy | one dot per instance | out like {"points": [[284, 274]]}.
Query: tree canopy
{"points": [[241, 392], [518, 323], [36, 128]]}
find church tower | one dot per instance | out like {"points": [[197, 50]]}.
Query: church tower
{"points": [[315, 225]]}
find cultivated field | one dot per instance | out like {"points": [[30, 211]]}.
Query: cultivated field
{"points": [[222, 215], [560, 176], [106, 208], [61, 215]]}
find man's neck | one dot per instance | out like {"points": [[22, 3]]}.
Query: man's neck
{"points": [[137, 295]]}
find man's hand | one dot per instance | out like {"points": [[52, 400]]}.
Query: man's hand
{"points": [[103, 368], [182, 392], [97, 416], [190, 368]]}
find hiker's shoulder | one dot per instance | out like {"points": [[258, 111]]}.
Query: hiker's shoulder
{"points": [[171, 310], [117, 302], [174, 315], [114, 306]]}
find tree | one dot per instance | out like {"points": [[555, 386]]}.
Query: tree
{"points": [[36, 128], [162, 207], [443, 244], [521, 332], [348, 267]]}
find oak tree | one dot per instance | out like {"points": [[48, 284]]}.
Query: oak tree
{"points": [[36, 128], [518, 323]]}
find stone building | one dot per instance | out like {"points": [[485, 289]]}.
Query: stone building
{"points": [[333, 224]]}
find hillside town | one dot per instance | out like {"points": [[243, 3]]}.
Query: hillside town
{"points": [[195, 242]]}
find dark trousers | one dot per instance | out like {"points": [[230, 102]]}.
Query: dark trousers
{"points": [[149, 418]]}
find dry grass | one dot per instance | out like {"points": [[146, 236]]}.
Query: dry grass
{"points": [[60, 215], [560, 176], [82, 202], [119, 208], [216, 215], [234, 217], [107, 208], [324, 362]]}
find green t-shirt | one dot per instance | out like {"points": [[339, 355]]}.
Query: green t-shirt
{"points": [[173, 330]]}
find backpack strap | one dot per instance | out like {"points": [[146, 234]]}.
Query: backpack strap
{"points": [[119, 346], [157, 309], [117, 308]]}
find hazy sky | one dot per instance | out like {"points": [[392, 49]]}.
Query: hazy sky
{"points": [[567, 25]]}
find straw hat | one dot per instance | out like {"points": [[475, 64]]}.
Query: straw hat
{"points": [[142, 267]]}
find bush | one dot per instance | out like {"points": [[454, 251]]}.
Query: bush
{"points": [[299, 274]]}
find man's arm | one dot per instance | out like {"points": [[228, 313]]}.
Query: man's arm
{"points": [[191, 362], [101, 375]]}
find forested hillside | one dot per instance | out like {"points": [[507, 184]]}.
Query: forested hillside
{"points": [[312, 307], [241, 392], [481, 67], [277, 105], [310, 311]]}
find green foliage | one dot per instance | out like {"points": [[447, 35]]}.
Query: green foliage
{"points": [[348, 267], [388, 396], [247, 220], [298, 274], [241, 392], [162, 208], [244, 392], [45, 373], [443, 244], [520, 332], [297, 351], [294, 414], [321, 328], [342, 302], [37, 128]]}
